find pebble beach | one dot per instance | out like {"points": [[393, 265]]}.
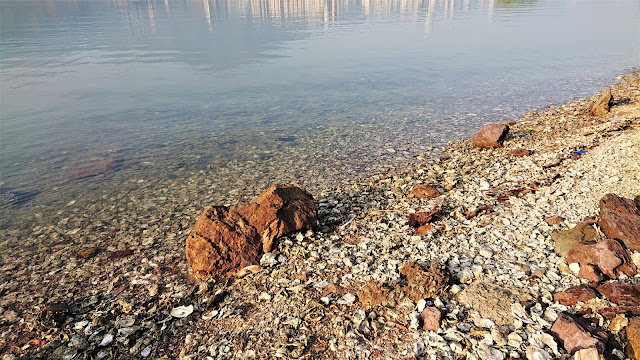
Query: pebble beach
{"points": [[110, 280]]}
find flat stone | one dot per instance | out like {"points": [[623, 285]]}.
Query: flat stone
{"points": [[621, 294], [618, 323], [588, 354], [576, 333], [430, 319], [371, 294], [633, 338], [565, 239], [554, 220], [422, 217], [493, 300], [575, 294], [520, 152], [424, 191], [601, 106], [620, 219], [423, 230], [610, 312], [491, 136], [608, 255], [591, 273]]}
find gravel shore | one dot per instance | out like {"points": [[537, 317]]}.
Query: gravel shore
{"points": [[346, 291]]}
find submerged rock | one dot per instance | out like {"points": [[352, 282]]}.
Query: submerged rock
{"points": [[93, 168]]}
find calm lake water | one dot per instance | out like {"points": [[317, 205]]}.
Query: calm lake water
{"points": [[246, 92]]}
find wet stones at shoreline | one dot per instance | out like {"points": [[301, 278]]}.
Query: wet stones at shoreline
{"points": [[94, 168], [602, 104]]}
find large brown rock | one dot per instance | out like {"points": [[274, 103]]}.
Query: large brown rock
{"points": [[491, 136], [633, 338], [576, 334], [227, 239], [621, 294], [573, 295], [424, 191], [601, 106], [620, 219], [565, 239], [608, 255]]}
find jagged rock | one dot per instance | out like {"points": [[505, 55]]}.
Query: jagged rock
{"points": [[229, 239], [591, 273], [608, 255], [575, 294], [424, 191], [424, 282], [491, 136], [565, 239], [610, 312], [621, 294], [620, 219], [93, 168], [633, 338], [601, 106], [493, 300], [576, 333], [430, 319], [422, 217]]}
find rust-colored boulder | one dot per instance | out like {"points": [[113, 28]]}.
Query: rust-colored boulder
{"points": [[621, 294], [430, 319], [620, 219], [491, 136], [610, 312], [93, 168], [424, 191], [633, 338], [601, 106], [608, 255], [573, 295], [228, 239], [576, 333]]}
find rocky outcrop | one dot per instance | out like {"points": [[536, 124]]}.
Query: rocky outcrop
{"points": [[491, 136], [226, 239], [602, 105], [620, 219], [576, 334], [608, 255]]}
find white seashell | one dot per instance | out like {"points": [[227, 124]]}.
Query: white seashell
{"points": [[125, 323], [106, 340], [182, 311], [209, 315]]}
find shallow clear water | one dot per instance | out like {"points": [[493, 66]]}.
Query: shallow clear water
{"points": [[246, 92]]}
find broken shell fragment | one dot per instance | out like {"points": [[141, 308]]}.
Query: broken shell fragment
{"points": [[182, 311]]}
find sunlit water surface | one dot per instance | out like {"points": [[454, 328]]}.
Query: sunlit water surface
{"points": [[235, 94]]}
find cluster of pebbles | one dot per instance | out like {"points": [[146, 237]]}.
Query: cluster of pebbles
{"points": [[345, 290]]}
